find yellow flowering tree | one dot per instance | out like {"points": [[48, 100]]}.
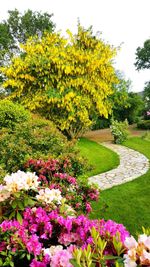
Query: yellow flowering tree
{"points": [[65, 79]]}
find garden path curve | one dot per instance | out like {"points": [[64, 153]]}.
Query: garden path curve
{"points": [[132, 165]]}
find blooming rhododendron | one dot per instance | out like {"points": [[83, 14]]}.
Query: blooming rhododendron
{"points": [[138, 252], [49, 195], [4, 194], [21, 180], [61, 258]]}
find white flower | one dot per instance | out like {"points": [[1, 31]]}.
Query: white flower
{"points": [[129, 262], [49, 195], [130, 242], [21, 180], [145, 240], [4, 194], [145, 257], [52, 250]]}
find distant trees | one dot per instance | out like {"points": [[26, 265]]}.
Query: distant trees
{"points": [[147, 95], [143, 56], [143, 62], [18, 28], [65, 79], [133, 109]]}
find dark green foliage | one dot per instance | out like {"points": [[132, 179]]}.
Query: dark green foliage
{"points": [[101, 123], [143, 56], [144, 124], [147, 96], [119, 101], [11, 114], [22, 26], [132, 111], [18, 28]]}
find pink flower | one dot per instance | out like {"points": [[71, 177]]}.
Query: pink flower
{"points": [[61, 259], [2, 246], [88, 207], [36, 263], [33, 245], [67, 238]]}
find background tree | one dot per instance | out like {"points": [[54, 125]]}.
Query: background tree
{"points": [[66, 80], [18, 28], [147, 94], [143, 62], [143, 56], [133, 109], [119, 101]]}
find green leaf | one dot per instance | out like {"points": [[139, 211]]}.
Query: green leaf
{"points": [[12, 264], [14, 204], [22, 256], [3, 253], [19, 217], [31, 202], [74, 263], [17, 194], [25, 201], [1, 262], [28, 256], [111, 257], [20, 205], [12, 214]]}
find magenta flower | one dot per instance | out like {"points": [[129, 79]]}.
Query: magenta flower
{"points": [[33, 245]]}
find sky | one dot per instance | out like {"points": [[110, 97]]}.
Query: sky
{"points": [[122, 23]]}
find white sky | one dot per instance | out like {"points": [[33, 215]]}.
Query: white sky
{"points": [[123, 22]]}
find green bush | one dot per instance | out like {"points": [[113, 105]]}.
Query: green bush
{"points": [[119, 131], [144, 124], [146, 136], [36, 138], [11, 114]]}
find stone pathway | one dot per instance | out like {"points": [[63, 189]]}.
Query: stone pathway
{"points": [[132, 165]]}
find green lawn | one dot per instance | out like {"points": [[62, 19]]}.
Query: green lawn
{"points": [[128, 203], [102, 159]]}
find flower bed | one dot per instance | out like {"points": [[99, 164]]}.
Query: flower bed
{"points": [[44, 223]]}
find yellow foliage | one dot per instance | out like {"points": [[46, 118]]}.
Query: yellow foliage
{"points": [[66, 79]]}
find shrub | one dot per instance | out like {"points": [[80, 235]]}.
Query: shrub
{"points": [[39, 227], [146, 115], [146, 136], [36, 138], [35, 217], [119, 131], [49, 239], [55, 174], [144, 124], [11, 114]]}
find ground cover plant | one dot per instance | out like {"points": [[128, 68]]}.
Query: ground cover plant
{"points": [[128, 203]]}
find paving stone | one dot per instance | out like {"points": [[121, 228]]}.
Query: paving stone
{"points": [[132, 165]]}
